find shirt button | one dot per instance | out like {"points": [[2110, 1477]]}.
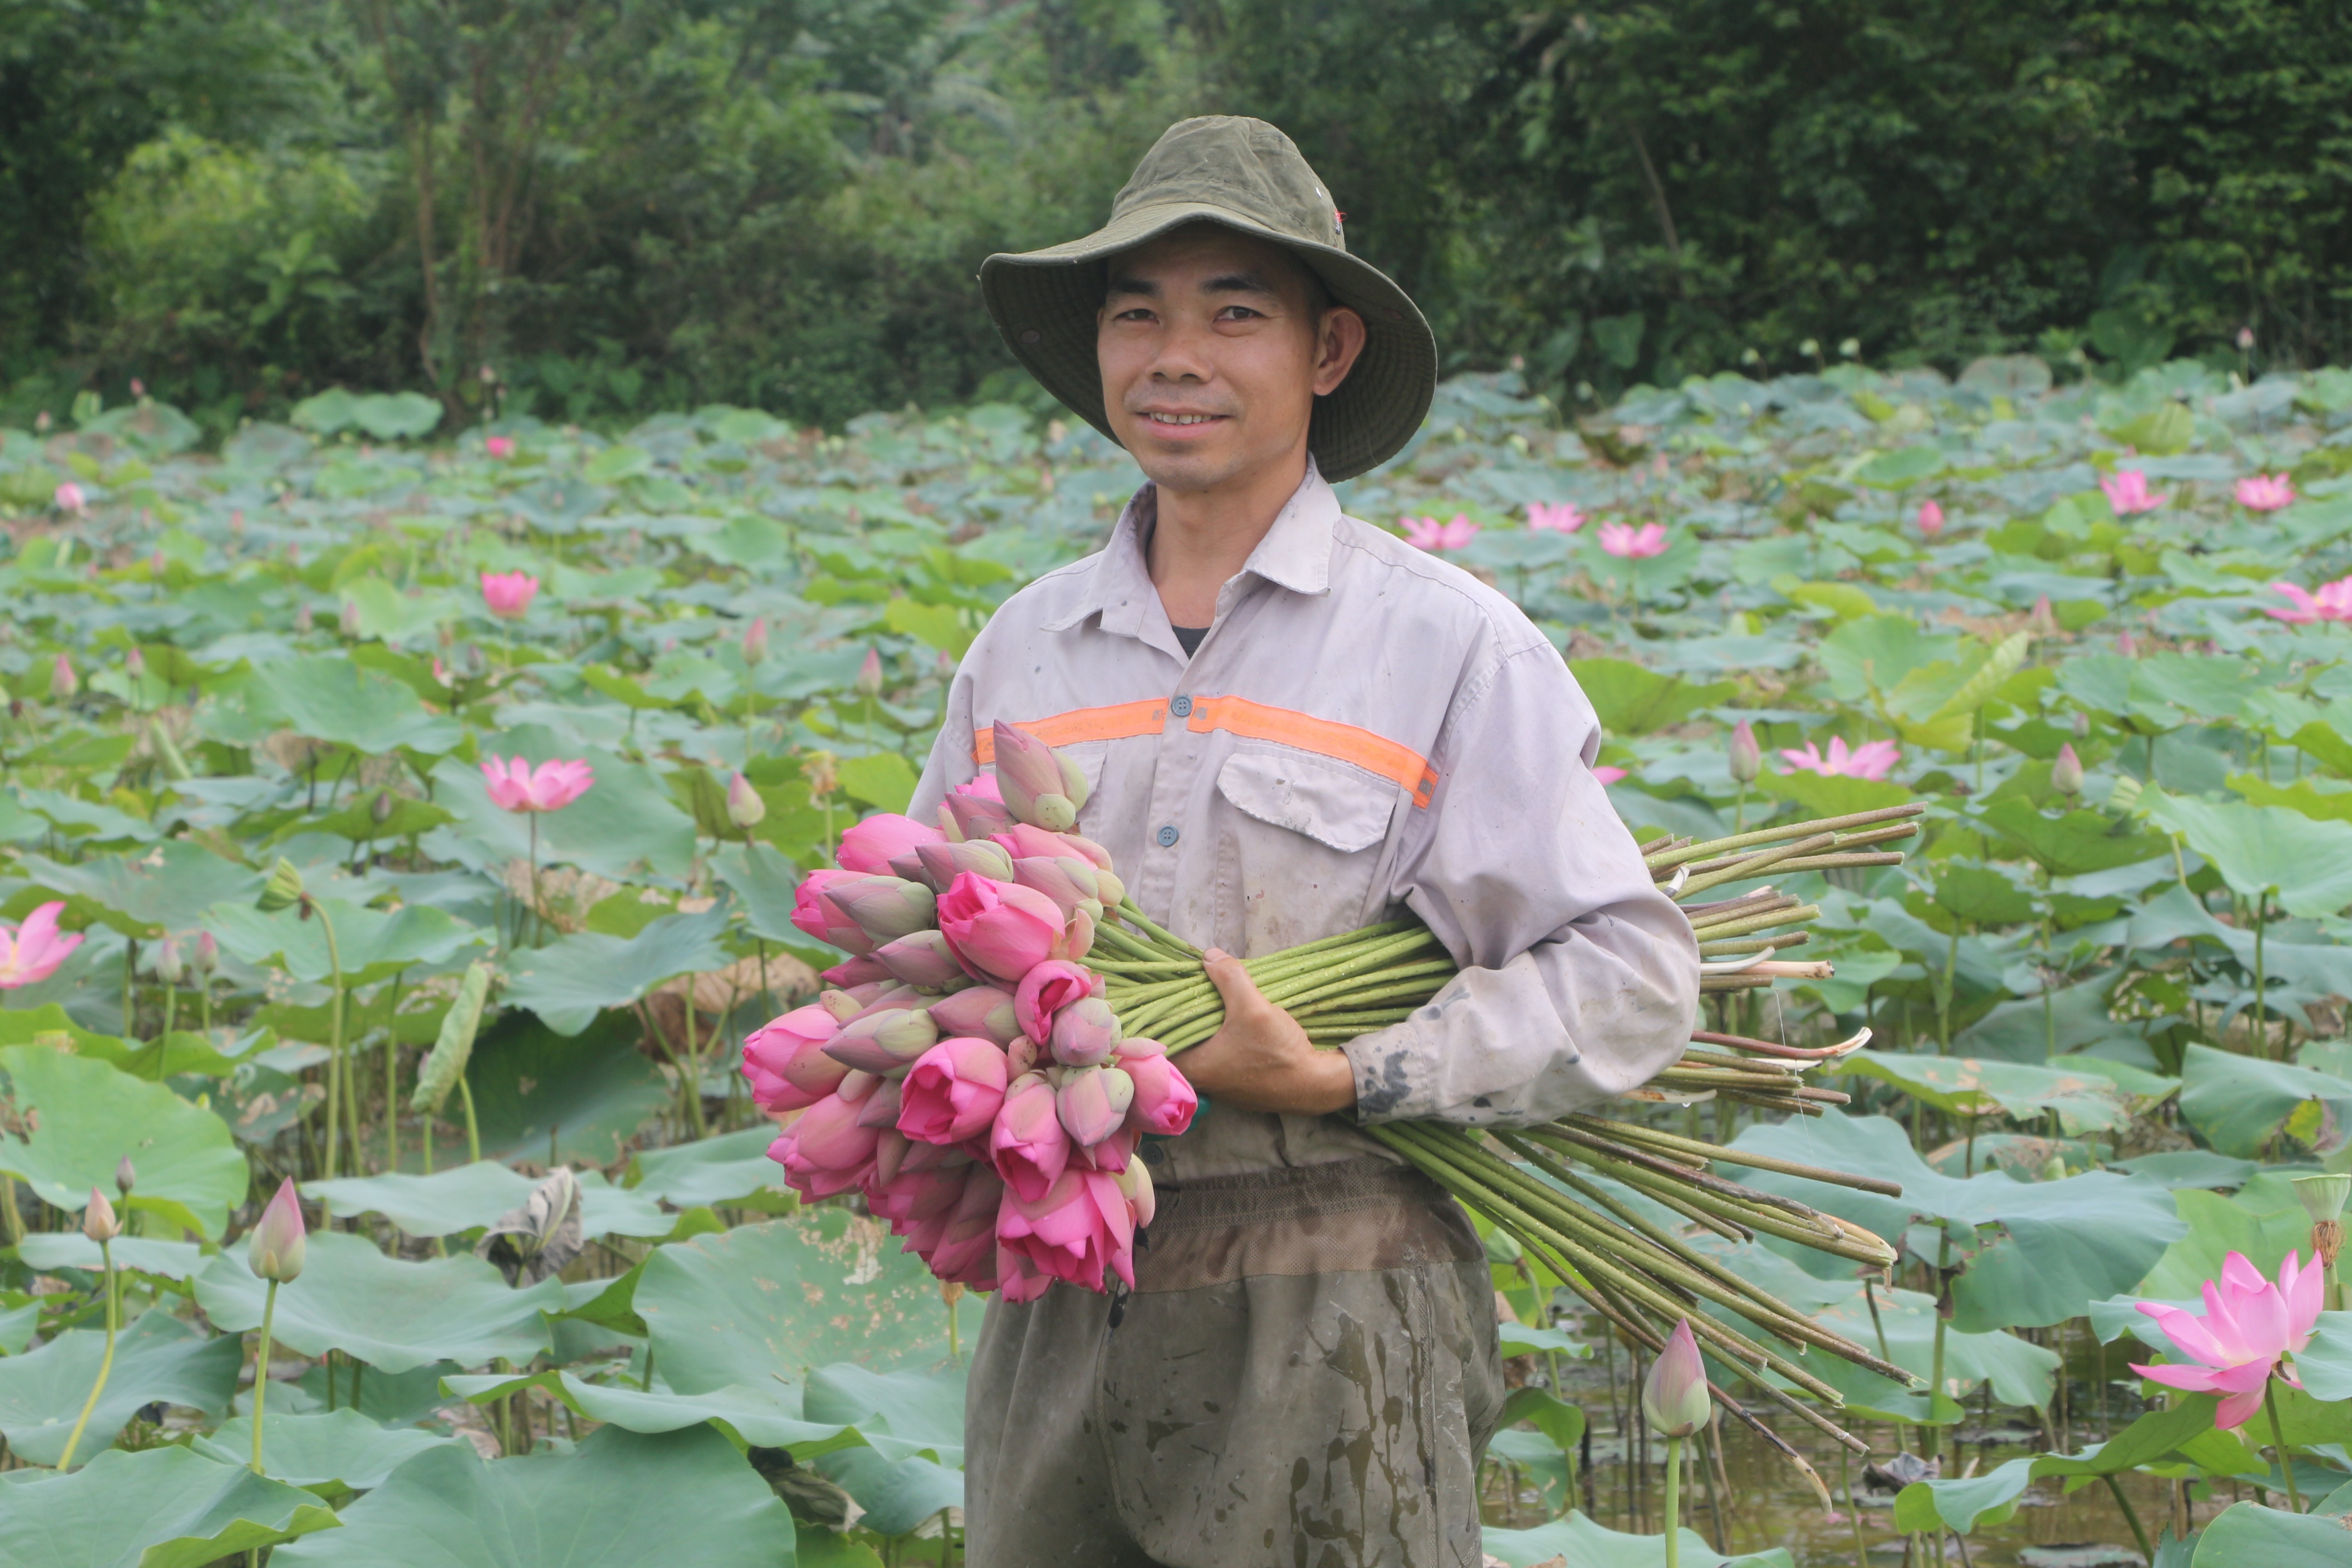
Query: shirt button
{"points": [[1167, 836], [1181, 707]]}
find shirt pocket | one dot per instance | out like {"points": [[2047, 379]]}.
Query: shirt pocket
{"points": [[1300, 846]]}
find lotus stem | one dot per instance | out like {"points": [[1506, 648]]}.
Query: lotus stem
{"points": [[473, 1133], [261, 1372], [2278, 1442], [1663, 861], [336, 1077], [106, 1363], [1674, 1502]]}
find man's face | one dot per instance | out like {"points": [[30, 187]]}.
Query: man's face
{"points": [[1213, 350]]}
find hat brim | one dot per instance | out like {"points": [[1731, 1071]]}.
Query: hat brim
{"points": [[1046, 303]]}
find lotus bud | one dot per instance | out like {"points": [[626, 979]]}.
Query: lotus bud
{"points": [[869, 674], [97, 1221], [890, 1151], [1134, 1179], [274, 1250], [206, 957], [840, 1004], [1038, 787], [63, 682], [895, 996], [2082, 725], [884, 1042], [1092, 1102], [981, 1011], [2066, 773], [855, 1087], [170, 963], [1085, 1034], [755, 640], [1027, 1144], [943, 863], [2042, 620], [1045, 990], [135, 662], [1674, 1396], [284, 888], [303, 620], [1077, 937], [1111, 1154], [973, 816], [885, 908], [126, 1175], [1746, 757], [880, 1109], [921, 959], [348, 623], [1067, 881], [1024, 1056], [744, 807], [380, 810]]}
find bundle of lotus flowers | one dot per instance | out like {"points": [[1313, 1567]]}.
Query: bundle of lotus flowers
{"points": [[1006, 1028]]}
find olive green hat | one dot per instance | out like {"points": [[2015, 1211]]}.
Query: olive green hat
{"points": [[1249, 176]]}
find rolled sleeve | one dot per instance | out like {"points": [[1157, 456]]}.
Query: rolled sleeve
{"points": [[1580, 978]]}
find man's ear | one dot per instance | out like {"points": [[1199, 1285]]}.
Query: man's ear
{"points": [[1339, 340]]}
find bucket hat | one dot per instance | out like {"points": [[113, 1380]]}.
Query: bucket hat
{"points": [[1247, 175]]}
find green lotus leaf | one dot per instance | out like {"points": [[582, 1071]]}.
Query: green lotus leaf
{"points": [[727, 1169], [1962, 1504], [52, 1249], [1832, 795], [91, 1115], [1588, 1544], [2326, 1363], [620, 1496], [2029, 1253], [2085, 1102], [765, 881], [466, 1196], [158, 1359], [2247, 1532], [2075, 843], [373, 944], [161, 1508], [333, 699], [2264, 1221], [1982, 895], [542, 1096], [2242, 1102], [572, 979], [337, 1452], [386, 1312], [166, 889], [883, 780], [2266, 848], [1631, 700]]}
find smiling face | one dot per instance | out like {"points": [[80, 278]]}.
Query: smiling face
{"points": [[1213, 346]]}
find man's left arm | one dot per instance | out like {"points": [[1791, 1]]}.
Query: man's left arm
{"points": [[1580, 978]]}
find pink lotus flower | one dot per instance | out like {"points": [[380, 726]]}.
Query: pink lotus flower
{"points": [[2128, 493], [982, 785], [1027, 1144], [1607, 773], [1037, 784], [857, 971], [1070, 882], [1084, 1033], [274, 1248], [1626, 541], [2331, 603], [920, 958], [969, 814], [869, 674], [70, 499], [1554, 517], [31, 953], [953, 1091], [2266, 492], [826, 1152], [1428, 533], [1077, 1231], [500, 446], [785, 1061], [1675, 1396], [1045, 990], [1165, 1101], [515, 786], [63, 682], [884, 1040], [1001, 930], [2248, 1325], [939, 865], [1092, 1103], [820, 918], [981, 1010], [1931, 518], [885, 908], [1017, 1279], [961, 1247], [1746, 757], [1871, 760], [508, 594]]}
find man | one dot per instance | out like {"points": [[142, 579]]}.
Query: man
{"points": [[1292, 725]]}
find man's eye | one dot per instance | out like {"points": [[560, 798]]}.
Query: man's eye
{"points": [[1238, 313]]}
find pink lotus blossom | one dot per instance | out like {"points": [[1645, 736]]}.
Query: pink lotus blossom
{"points": [[2266, 492], [274, 1248], [826, 1152], [70, 499], [1084, 1033], [32, 952], [2331, 603], [820, 918], [1165, 1101], [982, 785], [63, 682], [953, 1091], [857, 970], [1871, 760], [2128, 493], [1627, 543], [1077, 1231], [1674, 1396], [920, 958], [1045, 990], [499, 446], [1428, 533], [1000, 929], [1092, 1103], [869, 674], [1027, 1144], [515, 786], [960, 1245], [968, 814], [508, 594], [981, 1010], [755, 640], [1608, 774], [2248, 1326], [939, 865], [885, 908], [785, 1061], [1554, 517], [1931, 518], [1017, 1279]]}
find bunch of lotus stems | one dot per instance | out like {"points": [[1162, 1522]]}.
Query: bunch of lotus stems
{"points": [[1535, 1184]]}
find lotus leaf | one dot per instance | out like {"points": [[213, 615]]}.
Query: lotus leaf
{"points": [[92, 1116], [1960, 1504], [727, 1169], [2247, 1532], [158, 1359], [335, 701], [465, 1197], [138, 1254], [2083, 1102], [333, 1453], [166, 889], [540, 1096], [572, 979], [1588, 1544], [2241, 1103], [190, 1510], [2264, 849]]}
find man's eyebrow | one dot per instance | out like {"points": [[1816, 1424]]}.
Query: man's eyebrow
{"points": [[1240, 283], [1127, 283]]}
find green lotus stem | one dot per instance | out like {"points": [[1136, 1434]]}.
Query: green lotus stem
{"points": [[1144, 923], [2262, 1028], [1674, 1502], [1633, 1132], [335, 1084], [473, 1133], [1667, 859], [106, 1364], [1749, 866], [2131, 1517], [2278, 1442], [1932, 1435], [1745, 925], [171, 1006], [261, 1371]]}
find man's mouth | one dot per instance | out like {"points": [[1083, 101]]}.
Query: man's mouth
{"points": [[1158, 418]]}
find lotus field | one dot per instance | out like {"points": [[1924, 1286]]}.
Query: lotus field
{"points": [[404, 834]]}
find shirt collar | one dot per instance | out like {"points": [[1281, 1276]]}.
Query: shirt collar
{"points": [[1296, 553]]}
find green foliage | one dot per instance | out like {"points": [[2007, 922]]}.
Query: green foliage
{"points": [[191, 1510]]}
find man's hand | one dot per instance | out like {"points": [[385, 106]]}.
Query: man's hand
{"points": [[1262, 1060]]}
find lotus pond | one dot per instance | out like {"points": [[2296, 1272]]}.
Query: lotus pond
{"points": [[556, 1306]]}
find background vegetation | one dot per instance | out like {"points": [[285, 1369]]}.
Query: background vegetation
{"points": [[625, 205]]}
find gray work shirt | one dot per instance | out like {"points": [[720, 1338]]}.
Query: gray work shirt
{"points": [[1364, 726]]}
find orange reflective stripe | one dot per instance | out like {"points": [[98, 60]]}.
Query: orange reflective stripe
{"points": [[1326, 738], [1119, 722]]}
